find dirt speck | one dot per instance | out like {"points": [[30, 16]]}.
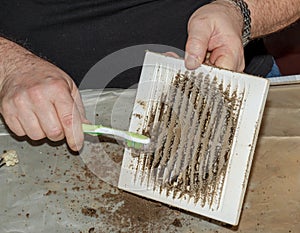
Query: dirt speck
{"points": [[177, 223], [87, 211], [49, 192], [92, 230], [134, 212]]}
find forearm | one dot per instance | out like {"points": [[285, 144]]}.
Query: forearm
{"points": [[37, 98], [272, 15], [11, 55]]}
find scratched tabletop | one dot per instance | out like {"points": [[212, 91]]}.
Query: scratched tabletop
{"points": [[52, 189]]}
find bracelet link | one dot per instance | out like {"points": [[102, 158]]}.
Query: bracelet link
{"points": [[246, 33]]}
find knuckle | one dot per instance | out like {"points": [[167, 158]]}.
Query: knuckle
{"points": [[5, 109], [58, 85], [67, 119], [19, 99], [50, 84], [195, 21], [36, 93], [53, 87], [55, 134], [194, 44]]}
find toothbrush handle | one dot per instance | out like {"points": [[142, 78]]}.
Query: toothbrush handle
{"points": [[100, 129]]}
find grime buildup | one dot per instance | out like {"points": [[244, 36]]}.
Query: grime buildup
{"points": [[192, 130]]}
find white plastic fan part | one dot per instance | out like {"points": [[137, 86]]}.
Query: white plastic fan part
{"points": [[205, 136]]}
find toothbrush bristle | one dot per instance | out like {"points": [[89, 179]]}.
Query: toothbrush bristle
{"points": [[134, 145]]}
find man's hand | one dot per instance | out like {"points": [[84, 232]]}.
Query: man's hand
{"points": [[40, 100], [215, 30]]}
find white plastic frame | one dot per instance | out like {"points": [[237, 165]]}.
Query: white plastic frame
{"points": [[243, 146]]}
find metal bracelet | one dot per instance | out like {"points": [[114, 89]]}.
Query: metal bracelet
{"points": [[246, 33]]}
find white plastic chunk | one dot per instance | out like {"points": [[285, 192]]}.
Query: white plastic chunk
{"points": [[10, 158]]}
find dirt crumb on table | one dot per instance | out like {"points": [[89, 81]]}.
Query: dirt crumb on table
{"points": [[87, 211], [92, 230], [49, 192], [135, 213], [9, 158], [177, 223]]}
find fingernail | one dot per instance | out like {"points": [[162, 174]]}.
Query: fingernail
{"points": [[191, 62], [75, 146]]}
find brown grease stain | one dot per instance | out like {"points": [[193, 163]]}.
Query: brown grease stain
{"points": [[192, 130]]}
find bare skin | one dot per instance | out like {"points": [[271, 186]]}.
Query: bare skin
{"points": [[217, 28], [38, 99]]}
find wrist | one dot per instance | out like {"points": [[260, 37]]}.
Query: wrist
{"points": [[242, 9], [15, 59]]}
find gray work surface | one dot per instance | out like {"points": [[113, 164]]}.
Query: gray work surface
{"points": [[52, 189]]}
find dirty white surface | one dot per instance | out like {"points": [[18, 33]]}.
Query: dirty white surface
{"points": [[223, 196], [51, 189]]}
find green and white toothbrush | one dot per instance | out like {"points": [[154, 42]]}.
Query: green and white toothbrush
{"points": [[133, 140]]}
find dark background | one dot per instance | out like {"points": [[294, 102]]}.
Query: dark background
{"points": [[285, 47]]}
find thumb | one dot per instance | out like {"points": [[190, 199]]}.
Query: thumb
{"points": [[196, 47]]}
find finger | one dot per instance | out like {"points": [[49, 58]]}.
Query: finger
{"points": [[172, 54], [9, 115], [228, 58], [197, 43], [49, 122], [222, 60], [78, 101], [15, 126], [70, 119], [30, 124]]}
